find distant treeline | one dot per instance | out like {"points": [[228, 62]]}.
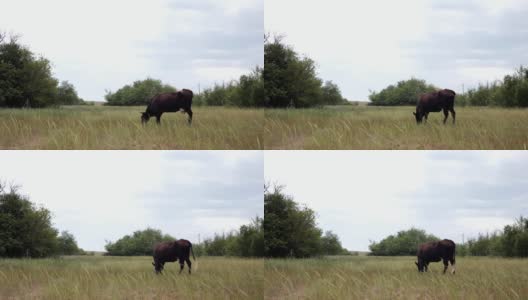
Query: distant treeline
{"points": [[248, 241], [248, 91], [291, 229], [405, 92], [403, 243], [512, 241], [291, 80], [27, 231], [26, 79], [512, 91]]}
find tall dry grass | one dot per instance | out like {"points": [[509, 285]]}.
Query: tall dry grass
{"points": [[129, 278], [362, 127], [365, 277], [101, 127]]}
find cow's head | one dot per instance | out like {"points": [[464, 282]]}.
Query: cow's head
{"points": [[420, 264], [418, 116], [144, 117]]}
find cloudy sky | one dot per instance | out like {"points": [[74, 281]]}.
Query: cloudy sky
{"points": [[364, 196], [104, 195], [102, 45], [367, 45]]}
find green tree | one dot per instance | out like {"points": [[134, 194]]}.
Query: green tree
{"points": [[403, 243], [139, 93], [290, 80], [405, 92], [26, 229], [290, 229], [67, 95], [139, 243], [67, 245], [331, 245], [25, 80], [331, 94]]}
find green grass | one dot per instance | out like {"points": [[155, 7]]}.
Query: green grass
{"points": [[129, 278], [362, 127], [102, 127], [365, 277]]}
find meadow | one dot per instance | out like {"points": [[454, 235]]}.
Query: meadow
{"points": [[367, 277], [99, 277], [367, 127], [104, 127]]}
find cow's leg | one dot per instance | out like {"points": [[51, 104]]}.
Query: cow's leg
{"points": [[452, 261], [190, 113], [158, 119], [188, 264], [156, 267], [445, 264], [453, 114], [426, 115], [426, 267], [446, 113], [181, 265]]}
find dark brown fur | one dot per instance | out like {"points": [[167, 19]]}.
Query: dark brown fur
{"points": [[434, 252], [435, 102], [170, 252], [169, 102]]}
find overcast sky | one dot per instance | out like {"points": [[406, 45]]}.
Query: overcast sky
{"points": [[102, 45], [367, 45], [104, 195], [364, 196]]}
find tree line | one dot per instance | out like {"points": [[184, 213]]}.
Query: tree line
{"points": [[27, 230], [512, 241], [291, 80], [248, 241], [512, 91], [26, 79], [291, 229], [247, 91]]}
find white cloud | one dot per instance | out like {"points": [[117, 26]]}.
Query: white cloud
{"points": [[103, 195], [365, 46], [368, 195], [102, 45]]}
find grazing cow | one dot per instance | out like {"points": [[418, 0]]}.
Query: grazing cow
{"points": [[169, 102], [435, 102], [170, 252], [434, 252]]}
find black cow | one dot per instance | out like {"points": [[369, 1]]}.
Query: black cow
{"points": [[434, 252], [435, 102], [169, 102], [170, 252]]}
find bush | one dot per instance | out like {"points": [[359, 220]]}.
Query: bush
{"points": [[405, 92], [139, 243], [25, 80], [403, 243], [291, 80], [139, 93], [26, 229], [291, 229]]}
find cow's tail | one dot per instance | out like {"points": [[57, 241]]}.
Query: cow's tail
{"points": [[192, 252]]}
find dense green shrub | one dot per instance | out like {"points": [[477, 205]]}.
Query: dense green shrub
{"points": [[405, 92]]}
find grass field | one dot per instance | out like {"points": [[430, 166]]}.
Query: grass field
{"points": [[102, 127], [129, 278], [362, 127], [365, 277]]}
